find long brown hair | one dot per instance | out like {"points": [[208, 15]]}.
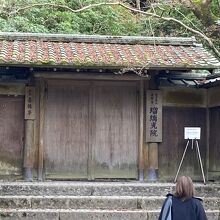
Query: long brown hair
{"points": [[184, 188]]}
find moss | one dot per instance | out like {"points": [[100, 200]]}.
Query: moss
{"points": [[197, 2], [48, 62]]}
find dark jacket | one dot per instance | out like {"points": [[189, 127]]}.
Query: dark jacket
{"points": [[190, 209]]}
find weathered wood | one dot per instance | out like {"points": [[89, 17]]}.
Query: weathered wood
{"points": [[146, 145], [153, 126], [213, 97], [11, 135], [37, 124], [12, 89], [214, 140], [184, 97], [146, 159], [173, 145], [91, 130], [41, 131], [154, 116], [115, 142], [66, 129], [153, 159], [141, 131], [91, 109], [29, 147], [99, 39], [30, 102], [28, 144], [90, 76], [207, 143]]}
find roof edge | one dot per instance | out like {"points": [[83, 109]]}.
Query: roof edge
{"points": [[95, 66], [184, 41]]}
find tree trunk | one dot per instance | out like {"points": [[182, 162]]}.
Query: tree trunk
{"points": [[201, 9]]}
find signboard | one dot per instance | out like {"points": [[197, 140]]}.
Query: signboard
{"points": [[192, 133], [30, 102], [154, 116]]}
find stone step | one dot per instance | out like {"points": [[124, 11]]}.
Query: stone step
{"points": [[85, 214], [93, 202], [100, 189]]}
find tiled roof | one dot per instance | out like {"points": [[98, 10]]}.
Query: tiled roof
{"points": [[103, 51]]}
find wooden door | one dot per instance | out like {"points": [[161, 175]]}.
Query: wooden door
{"points": [[214, 143], [66, 130], [11, 135], [91, 130], [114, 137], [173, 145]]}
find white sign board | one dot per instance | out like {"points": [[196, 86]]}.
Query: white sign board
{"points": [[192, 133]]}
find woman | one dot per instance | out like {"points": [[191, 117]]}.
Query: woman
{"points": [[183, 205]]}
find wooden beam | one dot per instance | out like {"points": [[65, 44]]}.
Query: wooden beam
{"points": [[153, 146], [12, 89], [41, 127], [98, 39], [184, 97], [91, 76], [91, 162], [141, 132], [28, 150], [153, 162], [153, 159], [207, 143], [213, 97]]}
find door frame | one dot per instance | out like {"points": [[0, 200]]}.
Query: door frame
{"points": [[43, 90]]}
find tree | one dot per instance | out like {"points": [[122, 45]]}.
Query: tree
{"points": [[203, 10], [112, 17], [58, 16]]}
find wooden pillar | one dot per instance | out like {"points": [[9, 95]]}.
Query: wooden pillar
{"points": [[29, 144], [141, 132], [28, 149], [153, 129], [41, 126], [153, 162], [207, 142]]}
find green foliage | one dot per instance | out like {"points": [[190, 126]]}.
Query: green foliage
{"points": [[101, 20], [160, 27], [215, 8]]}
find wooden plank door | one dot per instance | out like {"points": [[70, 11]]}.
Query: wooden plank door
{"points": [[114, 133], [173, 145], [214, 143], [66, 130], [11, 135]]}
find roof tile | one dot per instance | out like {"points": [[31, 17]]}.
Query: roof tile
{"points": [[37, 52]]}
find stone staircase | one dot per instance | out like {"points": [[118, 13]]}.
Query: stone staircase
{"points": [[94, 200]]}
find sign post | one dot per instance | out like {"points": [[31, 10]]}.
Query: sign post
{"points": [[153, 130], [192, 133]]}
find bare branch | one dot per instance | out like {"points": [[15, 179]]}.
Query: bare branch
{"points": [[186, 18], [40, 5], [143, 71], [198, 33]]}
